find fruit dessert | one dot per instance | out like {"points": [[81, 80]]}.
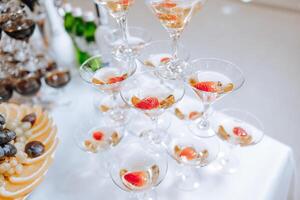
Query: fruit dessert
{"points": [[116, 6], [101, 140], [173, 15], [108, 76], [140, 179], [27, 145], [192, 115], [190, 154], [211, 86], [157, 60], [151, 103]]}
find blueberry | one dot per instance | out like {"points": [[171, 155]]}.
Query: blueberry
{"points": [[2, 154], [34, 149], [9, 150], [2, 120], [6, 136]]}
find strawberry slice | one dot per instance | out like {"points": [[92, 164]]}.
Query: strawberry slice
{"points": [[98, 135], [126, 2], [189, 153], [240, 132], [137, 179], [167, 5], [167, 17], [147, 103], [165, 60], [206, 86], [116, 79]]}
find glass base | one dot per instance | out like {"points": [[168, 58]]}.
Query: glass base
{"points": [[151, 195], [201, 128], [144, 124], [188, 183], [116, 110], [228, 164], [123, 52], [173, 69]]}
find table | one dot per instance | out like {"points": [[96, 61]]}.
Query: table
{"points": [[266, 171]]}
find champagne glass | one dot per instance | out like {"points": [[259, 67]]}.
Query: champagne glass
{"points": [[118, 9], [211, 79], [138, 169], [174, 15], [159, 52], [138, 38], [191, 153], [152, 96], [106, 73], [237, 128]]}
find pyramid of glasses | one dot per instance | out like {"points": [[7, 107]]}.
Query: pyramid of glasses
{"points": [[152, 80]]}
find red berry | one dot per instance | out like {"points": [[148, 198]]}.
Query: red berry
{"points": [[207, 86], [189, 153], [238, 131], [148, 103], [116, 79], [98, 135], [137, 179], [165, 60]]}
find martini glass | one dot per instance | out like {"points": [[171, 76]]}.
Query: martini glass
{"points": [[118, 9], [139, 169], [138, 38], [98, 139], [191, 153], [159, 52], [174, 15], [106, 74], [238, 129], [211, 79], [152, 96]]}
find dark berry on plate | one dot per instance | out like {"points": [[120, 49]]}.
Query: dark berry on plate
{"points": [[58, 78], [28, 85], [9, 150], [2, 120], [2, 154], [6, 136], [30, 118], [6, 90], [34, 149]]}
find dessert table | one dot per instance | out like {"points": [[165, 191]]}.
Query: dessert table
{"points": [[266, 170]]}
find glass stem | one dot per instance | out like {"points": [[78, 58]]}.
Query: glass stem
{"points": [[204, 123], [122, 21], [227, 156], [175, 39]]}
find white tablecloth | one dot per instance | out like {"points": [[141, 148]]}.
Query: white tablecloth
{"points": [[266, 170]]}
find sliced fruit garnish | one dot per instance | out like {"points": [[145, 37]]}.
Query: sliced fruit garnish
{"points": [[98, 135], [189, 153], [222, 133], [97, 81], [192, 81], [195, 115], [136, 179], [228, 88], [115, 138], [167, 5], [117, 79], [166, 17], [167, 102], [165, 60], [154, 173], [179, 114], [208, 86], [149, 63], [147, 103], [104, 108]]}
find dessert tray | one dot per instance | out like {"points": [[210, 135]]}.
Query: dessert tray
{"points": [[28, 139]]}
